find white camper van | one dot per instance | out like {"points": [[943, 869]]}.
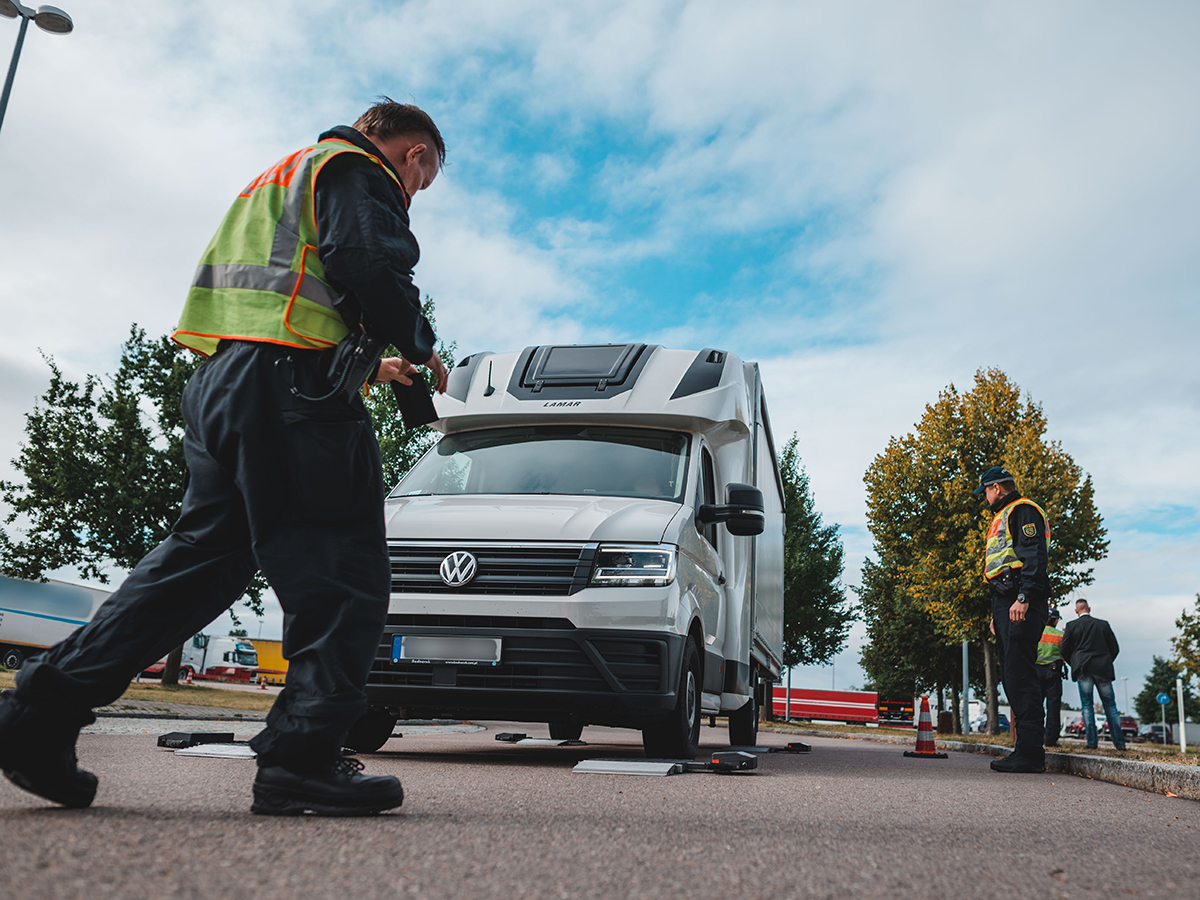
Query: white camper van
{"points": [[597, 538], [34, 615]]}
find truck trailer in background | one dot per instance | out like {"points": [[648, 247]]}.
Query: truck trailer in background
{"points": [[852, 707], [35, 615], [272, 667]]}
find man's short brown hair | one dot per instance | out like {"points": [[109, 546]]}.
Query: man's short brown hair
{"points": [[388, 119]]}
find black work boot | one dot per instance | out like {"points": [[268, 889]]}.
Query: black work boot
{"points": [[1018, 762], [340, 790], [37, 752]]}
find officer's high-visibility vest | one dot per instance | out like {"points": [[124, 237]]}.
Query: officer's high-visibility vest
{"points": [[1050, 646], [260, 278], [998, 554]]}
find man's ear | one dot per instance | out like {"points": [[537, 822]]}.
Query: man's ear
{"points": [[415, 152]]}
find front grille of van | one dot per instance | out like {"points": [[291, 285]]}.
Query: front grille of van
{"points": [[540, 663], [507, 569]]}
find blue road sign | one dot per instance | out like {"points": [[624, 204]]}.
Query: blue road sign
{"points": [[1164, 698]]}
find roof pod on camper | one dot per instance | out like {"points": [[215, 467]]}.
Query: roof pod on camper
{"points": [[604, 383]]}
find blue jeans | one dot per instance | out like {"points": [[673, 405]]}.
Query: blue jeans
{"points": [[1108, 698]]}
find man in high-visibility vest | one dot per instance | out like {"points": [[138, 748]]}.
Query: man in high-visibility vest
{"points": [[1015, 569], [1050, 676], [284, 472]]}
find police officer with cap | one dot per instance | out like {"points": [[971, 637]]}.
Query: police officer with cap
{"points": [[1016, 557], [1050, 673]]}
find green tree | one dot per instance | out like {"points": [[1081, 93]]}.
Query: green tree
{"points": [[400, 446], [1187, 643], [1161, 679], [929, 528], [103, 468], [816, 614]]}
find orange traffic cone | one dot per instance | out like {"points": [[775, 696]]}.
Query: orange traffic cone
{"points": [[926, 748], [188, 680], [262, 684]]}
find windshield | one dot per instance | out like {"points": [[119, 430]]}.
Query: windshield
{"points": [[245, 655], [554, 459]]}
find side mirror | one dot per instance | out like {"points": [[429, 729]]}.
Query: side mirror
{"points": [[742, 513]]}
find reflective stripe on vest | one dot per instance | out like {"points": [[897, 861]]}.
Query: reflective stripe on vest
{"points": [[998, 553], [1050, 646], [260, 278]]}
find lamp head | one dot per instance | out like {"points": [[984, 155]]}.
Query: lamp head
{"points": [[52, 19], [10, 10]]}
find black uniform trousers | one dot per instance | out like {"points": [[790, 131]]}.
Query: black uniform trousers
{"points": [[1017, 643], [1050, 679], [276, 483]]}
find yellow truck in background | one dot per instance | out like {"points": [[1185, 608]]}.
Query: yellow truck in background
{"points": [[272, 667]]}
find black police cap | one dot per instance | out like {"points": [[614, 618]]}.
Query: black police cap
{"points": [[994, 475]]}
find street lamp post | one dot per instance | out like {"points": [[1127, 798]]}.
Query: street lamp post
{"points": [[1126, 680], [48, 18]]}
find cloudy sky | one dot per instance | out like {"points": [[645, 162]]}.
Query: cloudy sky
{"points": [[874, 200]]}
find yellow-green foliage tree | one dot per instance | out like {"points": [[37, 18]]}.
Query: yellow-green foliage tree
{"points": [[1187, 643], [929, 528]]}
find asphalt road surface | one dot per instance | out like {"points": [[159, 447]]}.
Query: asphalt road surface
{"points": [[482, 819]]}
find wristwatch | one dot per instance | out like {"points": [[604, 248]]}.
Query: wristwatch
{"points": [[1021, 599]]}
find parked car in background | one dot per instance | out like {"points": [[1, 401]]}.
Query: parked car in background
{"points": [[1076, 728], [1154, 734], [1129, 727], [980, 725]]}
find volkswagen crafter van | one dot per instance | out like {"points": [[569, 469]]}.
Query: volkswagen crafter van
{"points": [[596, 538]]}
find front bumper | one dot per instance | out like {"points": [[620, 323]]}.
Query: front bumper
{"points": [[549, 671]]}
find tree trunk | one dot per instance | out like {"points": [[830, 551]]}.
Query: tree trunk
{"points": [[991, 686], [955, 709], [170, 673]]}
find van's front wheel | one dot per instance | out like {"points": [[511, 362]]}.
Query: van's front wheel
{"points": [[371, 732], [678, 735]]}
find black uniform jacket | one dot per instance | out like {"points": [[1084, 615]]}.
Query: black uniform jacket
{"points": [[1028, 531], [1089, 647], [367, 250]]}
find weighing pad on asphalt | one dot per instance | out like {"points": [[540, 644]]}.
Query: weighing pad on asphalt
{"points": [[220, 751], [628, 767]]}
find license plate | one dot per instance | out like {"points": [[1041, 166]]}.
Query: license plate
{"points": [[463, 651]]}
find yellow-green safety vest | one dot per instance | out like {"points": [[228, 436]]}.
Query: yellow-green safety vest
{"points": [[1050, 646], [260, 278], [998, 553]]}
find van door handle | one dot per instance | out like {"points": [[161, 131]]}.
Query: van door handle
{"points": [[721, 579]]}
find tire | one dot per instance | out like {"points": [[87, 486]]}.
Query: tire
{"points": [[565, 731], [743, 723], [678, 735], [13, 658], [370, 732]]}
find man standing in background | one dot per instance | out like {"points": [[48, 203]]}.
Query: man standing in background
{"points": [[1089, 647], [1050, 676]]}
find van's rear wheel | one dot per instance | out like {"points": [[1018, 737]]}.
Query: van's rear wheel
{"points": [[370, 732], [678, 736], [13, 658], [743, 724], [564, 731]]}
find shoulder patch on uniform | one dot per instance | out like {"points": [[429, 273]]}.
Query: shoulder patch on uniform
{"points": [[1029, 530]]}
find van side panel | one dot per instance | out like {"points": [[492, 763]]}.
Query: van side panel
{"points": [[768, 546]]}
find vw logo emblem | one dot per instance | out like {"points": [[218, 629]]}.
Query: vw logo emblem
{"points": [[458, 568]]}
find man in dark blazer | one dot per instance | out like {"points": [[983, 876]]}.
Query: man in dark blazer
{"points": [[1089, 647]]}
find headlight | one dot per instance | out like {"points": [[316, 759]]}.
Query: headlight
{"points": [[633, 567]]}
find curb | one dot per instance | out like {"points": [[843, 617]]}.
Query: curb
{"points": [[257, 717], [1158, 778]]}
